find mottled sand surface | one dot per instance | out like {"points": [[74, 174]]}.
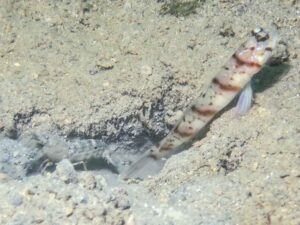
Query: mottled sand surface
{"points": [[100, 81]]}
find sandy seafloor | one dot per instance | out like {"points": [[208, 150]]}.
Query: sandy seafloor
{"points": [[100, 81]]}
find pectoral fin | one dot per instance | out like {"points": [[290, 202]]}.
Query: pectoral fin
{"points": [[245, 100]]}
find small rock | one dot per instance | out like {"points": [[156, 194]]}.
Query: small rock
{"points": [[38, 220], [131, 220], [89, 214], [122, 204], [1, 126], [226, 31], [88, 181], [4, 177], [173, 117], [28, 192], [66, 172], [146, 70], [98, 220], [80, 198], [280, 55], [16, 200], [105, 84], [255, 166], [106, 65], [69, 210], [92, 213]]}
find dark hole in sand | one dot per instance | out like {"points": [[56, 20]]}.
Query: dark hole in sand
{"points": [[97, 164], [91, 164]]}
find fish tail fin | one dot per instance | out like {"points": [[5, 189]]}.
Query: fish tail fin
{"points": [[145, 166]]}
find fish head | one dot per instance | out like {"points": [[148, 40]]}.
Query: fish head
{"points": [[258, 49]]}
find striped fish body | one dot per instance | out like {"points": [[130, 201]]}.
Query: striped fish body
{"points": [[225, 86]]}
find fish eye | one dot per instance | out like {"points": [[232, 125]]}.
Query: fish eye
{"points": [[257, 30], [260, 34]]}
